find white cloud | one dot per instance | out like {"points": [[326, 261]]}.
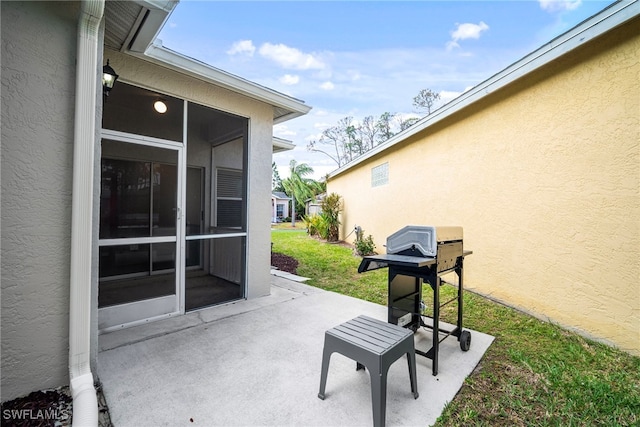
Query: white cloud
{"points": [[290, 58], [466, 31], [283, 131], [559, 5], [322, 125], [244, 47], [289, 79], [354, 75], [448, 95], [327, 86], [451, 45], [469, 31]]}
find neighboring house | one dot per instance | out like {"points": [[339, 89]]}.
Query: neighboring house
{"points": [[540, 165], [279, 206], [98, 191], [314, 206]]}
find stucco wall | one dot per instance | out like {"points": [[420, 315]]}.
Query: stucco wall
{"points": [[142, 73], [544, 177], [38, 71]]}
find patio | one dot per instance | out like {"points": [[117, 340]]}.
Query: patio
{"points": [[257, 362]]}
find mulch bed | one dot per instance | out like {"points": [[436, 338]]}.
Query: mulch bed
{"points": [[284, 262], [48, 408], [40, 408]]}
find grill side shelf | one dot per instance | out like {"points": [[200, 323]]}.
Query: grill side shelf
{"points": [[375, 262], [370, 265]]}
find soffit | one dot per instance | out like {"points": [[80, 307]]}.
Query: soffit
{"points": [[122, 19]]}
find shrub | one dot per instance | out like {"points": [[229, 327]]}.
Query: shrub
{"points": [[325, 225], [331, 208], [314, 224], [365, 246]]}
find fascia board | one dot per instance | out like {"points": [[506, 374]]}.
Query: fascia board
{"points": [[176, 61], [289, 116], [280, 145], [157, 13], [611, 17]]}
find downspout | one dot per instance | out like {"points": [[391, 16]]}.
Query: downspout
{"points": [[85, 402]]}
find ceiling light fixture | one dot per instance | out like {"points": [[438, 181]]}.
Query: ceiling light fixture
{"points": [[160, 106]]}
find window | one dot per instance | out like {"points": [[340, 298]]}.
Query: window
{"points": [[229, 198], [380, 175], [279, 210]]}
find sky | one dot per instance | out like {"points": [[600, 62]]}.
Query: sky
{"points": [[364, 58]]}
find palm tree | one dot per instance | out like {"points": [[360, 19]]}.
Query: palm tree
{"points": [[298, 186]]}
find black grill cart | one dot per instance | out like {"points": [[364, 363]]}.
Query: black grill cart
{"points": [[417, 254]]}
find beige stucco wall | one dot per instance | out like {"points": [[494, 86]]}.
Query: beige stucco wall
{"points": [[145, 74], [544, 176], [38, 74]]}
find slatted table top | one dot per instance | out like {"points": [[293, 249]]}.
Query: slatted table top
{"points": [[371, 334]]}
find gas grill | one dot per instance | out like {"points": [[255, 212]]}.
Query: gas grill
{"points": [[417, 254]]}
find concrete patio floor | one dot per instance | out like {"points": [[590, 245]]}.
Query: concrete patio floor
{"points": [[257, 362]]}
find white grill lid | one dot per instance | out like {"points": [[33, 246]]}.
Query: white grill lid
{"points": [[424, 238]]}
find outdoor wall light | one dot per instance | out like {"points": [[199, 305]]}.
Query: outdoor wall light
{"points": [[109, 77], [160, 106]]}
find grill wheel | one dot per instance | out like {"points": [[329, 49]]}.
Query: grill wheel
{"points": [[465, 340]]}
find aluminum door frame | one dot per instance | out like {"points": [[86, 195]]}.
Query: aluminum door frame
{"points": [[139, 312]]}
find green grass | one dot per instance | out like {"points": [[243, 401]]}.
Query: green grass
{"points": [[534, 374]]}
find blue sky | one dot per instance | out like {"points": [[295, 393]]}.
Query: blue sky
{"points": [[360, 58]]}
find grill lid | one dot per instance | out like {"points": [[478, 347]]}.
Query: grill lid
{"points": [[423, 238]]}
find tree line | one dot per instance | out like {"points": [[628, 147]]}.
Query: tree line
{"points": [[349, 139], [344, 142]]}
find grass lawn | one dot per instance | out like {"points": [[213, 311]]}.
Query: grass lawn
{"points": [[534, 374]]}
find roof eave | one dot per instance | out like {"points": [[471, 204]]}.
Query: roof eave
{"points": [[280, 145], [160, 55], [157, 13], [609, 18], [290, 115]]}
